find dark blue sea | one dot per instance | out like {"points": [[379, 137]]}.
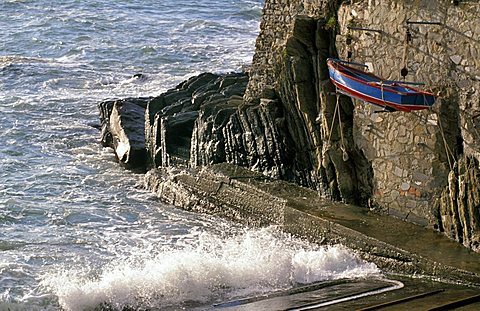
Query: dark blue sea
{"points": [[76, 230]]}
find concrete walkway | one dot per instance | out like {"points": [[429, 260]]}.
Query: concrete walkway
{"points": [[394, 245]]}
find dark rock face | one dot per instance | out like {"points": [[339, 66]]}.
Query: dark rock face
{"points": [[459, 204], [285, 120], [320, 123], [204, 121], [151, 132], [172, 119], [249, 135], [122, 128]]}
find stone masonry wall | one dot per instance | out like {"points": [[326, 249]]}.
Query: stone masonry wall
{"points": [[413, 153], [291, 51], [278, 18], [292, 125], [414, 156]]}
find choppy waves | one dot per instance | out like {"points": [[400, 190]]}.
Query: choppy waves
{"points": [[75, 230], [212, 269]]}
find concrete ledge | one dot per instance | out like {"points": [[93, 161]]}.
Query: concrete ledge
{"points": [[251, 198]]}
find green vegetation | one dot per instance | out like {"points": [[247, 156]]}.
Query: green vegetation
{"points": [[331, 23]]}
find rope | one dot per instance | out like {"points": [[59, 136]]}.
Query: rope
{"points": [[448, 152], [383, 97], [381, 87], [342, 143], [333, 119]]}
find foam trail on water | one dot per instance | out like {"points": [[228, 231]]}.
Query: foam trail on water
{"points": [[215, 269]]}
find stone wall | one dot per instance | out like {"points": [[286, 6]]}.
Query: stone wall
{"points": [[412, 154], [290, 123], [408, 157], [278, 18]]}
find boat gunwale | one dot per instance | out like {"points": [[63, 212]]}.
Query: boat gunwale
{"points": [[378, 102], [386, 87]]}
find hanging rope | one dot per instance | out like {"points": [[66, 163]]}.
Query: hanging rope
{"points": [[381, 87], [408, 38], [342, 142], [450, 157], [333, 119]]}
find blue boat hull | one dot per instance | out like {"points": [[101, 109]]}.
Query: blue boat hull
{"points": [[367, 87]]}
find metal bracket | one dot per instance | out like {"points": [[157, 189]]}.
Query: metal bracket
{"points": [[409, 22]]}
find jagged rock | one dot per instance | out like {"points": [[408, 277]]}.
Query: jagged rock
{"points": [[171, 117], [459, 204], [123, 129], [105, 109], [326, 155], [289, 125], [157, 131], [248, 136]]}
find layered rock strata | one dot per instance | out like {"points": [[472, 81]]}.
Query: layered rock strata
{"points": [[252, 198], [172, 118], [157, 131], [289, 123], [123, 129], [419, 159]]}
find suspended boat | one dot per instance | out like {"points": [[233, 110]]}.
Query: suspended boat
{"points": [[390, 95]]}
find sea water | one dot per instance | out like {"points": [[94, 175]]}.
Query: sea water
{"points": [[76, 230]]}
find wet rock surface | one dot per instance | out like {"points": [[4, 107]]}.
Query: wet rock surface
{"points": [[242, 195], [122, 128], [173, 118], [285, 121]]}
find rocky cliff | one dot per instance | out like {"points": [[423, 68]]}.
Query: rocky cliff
{"points": [[425, 164], [285, 120]]}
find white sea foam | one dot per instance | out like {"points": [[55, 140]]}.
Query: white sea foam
{"points": [[67, 208], [213, 269]]}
